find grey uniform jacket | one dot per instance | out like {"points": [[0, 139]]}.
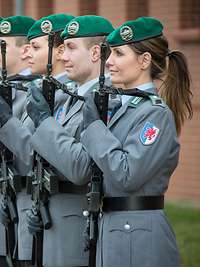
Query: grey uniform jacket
{"points": [[16, 134], [135, 162], [67, 248]]}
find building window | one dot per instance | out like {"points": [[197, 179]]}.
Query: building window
{"points": [[7, 8], [137, 8], [190, 14], [88, 7], [189, 31]]}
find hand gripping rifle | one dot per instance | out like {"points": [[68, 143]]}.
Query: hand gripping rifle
{"points": [[96, 184], [9, 179]]}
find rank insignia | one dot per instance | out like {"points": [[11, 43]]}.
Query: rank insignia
{"points": [[46, 26], [149, 134], [5, 27], [73, 28], [126, 33]]}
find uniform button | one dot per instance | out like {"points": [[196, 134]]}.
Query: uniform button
{"points": [[127, 226], [85, 213]]}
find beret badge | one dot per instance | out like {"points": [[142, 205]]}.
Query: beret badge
{"points": [[5, 27], [126, 33], [73, 28], [46, 26]]}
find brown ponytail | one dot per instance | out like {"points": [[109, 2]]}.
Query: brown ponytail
{"points": [[175, 89]]}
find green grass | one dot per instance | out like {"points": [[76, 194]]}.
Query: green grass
{"points": [[186, 224]]}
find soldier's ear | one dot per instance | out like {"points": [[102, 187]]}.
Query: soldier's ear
{"points": [[145, 60], [25, 51], [95, 53], [59, 51]]}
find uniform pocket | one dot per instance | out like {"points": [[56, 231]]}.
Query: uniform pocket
{"points": [[127, 241], [73, 231]]}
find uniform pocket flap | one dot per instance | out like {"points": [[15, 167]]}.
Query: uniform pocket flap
{"points": [[130, 223], [71, 212]]}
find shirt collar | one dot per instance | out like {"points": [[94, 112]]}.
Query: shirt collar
{"points": [[82, 90], [146, 86], [26, 71], [60, 75]]}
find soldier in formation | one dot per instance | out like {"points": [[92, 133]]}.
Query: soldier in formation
{"points": [[133, 151]]}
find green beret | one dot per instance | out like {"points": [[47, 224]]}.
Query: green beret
{"points": [[135, 30], [87, 26], [45, 25], [15, 25]]}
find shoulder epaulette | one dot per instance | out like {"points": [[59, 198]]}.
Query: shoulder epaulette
{"points": [[156, 100], [135, 101]]}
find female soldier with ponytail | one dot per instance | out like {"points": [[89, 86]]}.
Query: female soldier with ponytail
{"points": [[138, 150]]}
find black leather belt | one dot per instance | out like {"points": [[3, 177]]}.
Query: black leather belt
{"points": [[70, 188], [133, 203]]}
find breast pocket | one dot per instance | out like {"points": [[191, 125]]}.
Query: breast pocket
{"points": [[128, 241]]}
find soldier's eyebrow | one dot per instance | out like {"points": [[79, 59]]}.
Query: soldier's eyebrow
{"points": [[34, 43], [70, 44], [116, 49]]}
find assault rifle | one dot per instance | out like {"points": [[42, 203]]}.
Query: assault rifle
{"points": [[9, 179], [40, 193], [96, 183]]}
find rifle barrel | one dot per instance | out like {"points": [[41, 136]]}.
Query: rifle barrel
{"points": [[50, 44]]}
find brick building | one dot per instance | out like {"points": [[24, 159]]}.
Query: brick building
{"points": [[182, 27]]}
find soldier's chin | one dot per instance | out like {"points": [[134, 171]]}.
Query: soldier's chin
{"points": [[115, 80], [70, 76], [35, 71]]}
